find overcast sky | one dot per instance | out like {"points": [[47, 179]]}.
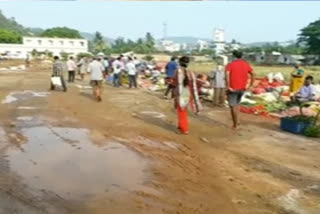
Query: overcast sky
{"points": [[245, 21]]}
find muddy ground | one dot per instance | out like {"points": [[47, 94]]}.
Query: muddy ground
{"points": [[65, 153]]}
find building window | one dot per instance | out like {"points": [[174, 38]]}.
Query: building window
{"points": [[71, 43], [39, 42], [82, 44], [29, 41], [50, 42], [61, 43]]}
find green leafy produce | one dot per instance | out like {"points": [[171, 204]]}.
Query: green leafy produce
{"points": [[303, 118], [247, 104], [275, 107], [312, 131]]}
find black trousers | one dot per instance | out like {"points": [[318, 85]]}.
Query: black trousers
{"points": [[132, 81], [71, 76], [170, 87]]}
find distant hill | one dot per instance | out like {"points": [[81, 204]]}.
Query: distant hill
{"points": [[12, 25], [259, 44], [35, 31], [90, 37]]}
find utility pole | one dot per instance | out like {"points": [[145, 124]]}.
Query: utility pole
{"points": [[164, 31]]}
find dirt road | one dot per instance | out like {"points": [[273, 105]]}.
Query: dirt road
{"points": [[64, 153]]}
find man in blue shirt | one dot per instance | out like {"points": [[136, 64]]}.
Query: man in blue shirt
{"points": [[171, 68]]}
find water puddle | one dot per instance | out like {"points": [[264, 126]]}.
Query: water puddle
{"points": [[64, 161], [23, 95], [25, 118], [290, 201], [153, 114], [166, 145], [83, 86], [3, 136], [12, 69], [27, 107]]}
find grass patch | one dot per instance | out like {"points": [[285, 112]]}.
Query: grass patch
{"points": [[261, 71]]}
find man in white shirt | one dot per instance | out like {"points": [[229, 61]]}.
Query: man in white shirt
{"points": [[136, 62], [117, 66], [132, 73], [96, 70], [219, 85], [71, 66]]}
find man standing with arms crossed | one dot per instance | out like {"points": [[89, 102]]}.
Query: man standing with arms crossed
{"points": [[237, 73]]}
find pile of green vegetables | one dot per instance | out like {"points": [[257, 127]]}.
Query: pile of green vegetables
{"points": [[303, 118], [275, 106], [313, 130]]}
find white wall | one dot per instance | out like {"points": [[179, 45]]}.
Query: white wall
{"points": [[54, 45]]}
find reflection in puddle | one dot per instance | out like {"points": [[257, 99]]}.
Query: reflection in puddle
{"points": [[64, 160], [23, 95]]}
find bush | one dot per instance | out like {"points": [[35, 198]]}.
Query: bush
{"points": [[80, 55], [64, 55], [312, 131], [10, 37], [148, 58]]}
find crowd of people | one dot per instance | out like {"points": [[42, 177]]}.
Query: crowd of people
{"points": [[183, 85]]}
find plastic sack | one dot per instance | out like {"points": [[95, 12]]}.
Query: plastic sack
{"points": [[278, 76], [56, 81]]}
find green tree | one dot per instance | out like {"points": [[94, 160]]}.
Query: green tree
{"points": [[309, 37], [209, 52], [61, 32], [7, 36], [11, 25], [119, 45], [149, 42], [99, 44]]}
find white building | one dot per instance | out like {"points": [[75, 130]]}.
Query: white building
{"points": [[170, 46], [42, 44], [290, 59], [219, 40], [202, 45], [235, 46]]}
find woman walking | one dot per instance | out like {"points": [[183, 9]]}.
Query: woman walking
{"points": [[185, 94]]}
